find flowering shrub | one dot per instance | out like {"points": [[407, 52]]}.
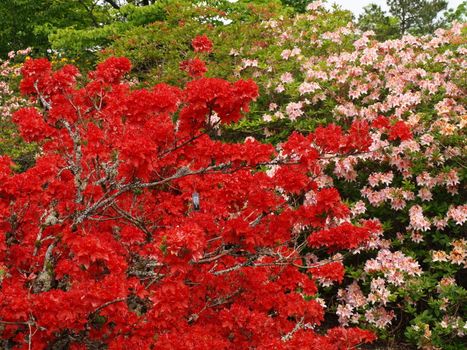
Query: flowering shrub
{"points": [[136, 228], [411, 94], [10, 101], [363, 189]]}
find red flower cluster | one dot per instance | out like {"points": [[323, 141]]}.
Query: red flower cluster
{"points": [[401, 131], [194, 67], [206, 96], [340, 237], [201, 43], [332, 138], [102, 245]]}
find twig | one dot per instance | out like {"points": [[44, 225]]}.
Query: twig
{"points": [[118, 300]]}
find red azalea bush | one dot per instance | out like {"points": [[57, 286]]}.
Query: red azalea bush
{"points": [[103, 243]]}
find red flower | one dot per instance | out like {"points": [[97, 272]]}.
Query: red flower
{"points": [[32, 126], [401, 131], [34, 72], [195, 67], [201, 43], [112, 69], [381, 122]]}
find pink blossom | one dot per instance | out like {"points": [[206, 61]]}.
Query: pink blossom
{"points": [[314, 5], [249, 63], [451, 178], [417, 220], [344, 312], [280, 88], [425, 194], [267, 117], [358, 208], [294, 110], [439, 255], [305, 88], [440, 224], [416, 237], [287, 78], [286, 54], [458, 214], [387, 262], [379, 317]]}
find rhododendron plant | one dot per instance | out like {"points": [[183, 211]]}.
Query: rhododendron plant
{"points": [[10, 101], [102, 245], [410, 93]]}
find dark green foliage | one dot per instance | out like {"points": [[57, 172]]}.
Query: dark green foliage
{"points": [[375, 19], [416, 16], [28, 23]]}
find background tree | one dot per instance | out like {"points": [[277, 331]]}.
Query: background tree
{"points": [[375, 18], [459, 14], [155, 37], [28, 23], [417, 16], [298, 5]]}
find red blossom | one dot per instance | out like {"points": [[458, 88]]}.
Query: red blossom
{"points": [[194, 67], [333, 271], [340, 237], [381, 122], [34, 72], [401, 131], [112, 69], [201, 43], [32, 126]]}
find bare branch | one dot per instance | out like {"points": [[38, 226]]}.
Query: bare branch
{"points": [[118, 300], [298, 326]]}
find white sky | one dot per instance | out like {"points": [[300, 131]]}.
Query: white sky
{"points": [[356, 5]]}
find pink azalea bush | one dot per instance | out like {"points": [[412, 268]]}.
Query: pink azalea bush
{"points": [[411, 93], [10, 101]]}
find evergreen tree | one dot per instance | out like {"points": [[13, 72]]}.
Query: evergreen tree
{"points": [[417, 16], [375, 19]]}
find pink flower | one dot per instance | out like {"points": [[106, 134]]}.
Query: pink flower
{"points": [[425, 194], [286, 54], [294, 110], [267, 117], [440, 224], [305, 88], [249, 63], [279, 88], [417, 220], [344, 312], [416, 237], [380, 317], [388, 262], [439, 255], [314, 5], [458, 214], [451, 178], [287, 78], [358, 208]]}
